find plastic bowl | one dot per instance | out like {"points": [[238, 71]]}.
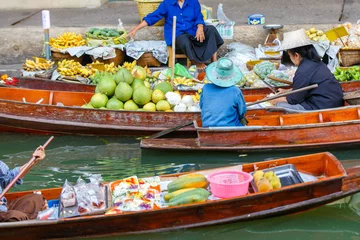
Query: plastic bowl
{"points": [[227, 184]]}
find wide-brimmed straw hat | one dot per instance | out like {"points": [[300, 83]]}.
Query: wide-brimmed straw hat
{"points": [[223, 73], [295, 39]]}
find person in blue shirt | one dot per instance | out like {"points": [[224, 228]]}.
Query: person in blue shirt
{"points": [[197, 41], [222, 104], [311, 70], [23, 208]]}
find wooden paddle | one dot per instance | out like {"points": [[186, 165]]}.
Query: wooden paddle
{"points": [[167, 131], [279, 80], [24, 170]]}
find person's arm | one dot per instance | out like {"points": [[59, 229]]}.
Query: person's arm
{"points": [[199, 22], [39, 154], [7, 175], [150, 19], [300, 80]]}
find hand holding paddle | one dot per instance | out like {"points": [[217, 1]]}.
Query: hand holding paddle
{"points": [[37, 155]]}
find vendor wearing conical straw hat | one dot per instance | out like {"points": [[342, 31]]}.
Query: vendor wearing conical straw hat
{"points": [[222, 103], [311, 70]]}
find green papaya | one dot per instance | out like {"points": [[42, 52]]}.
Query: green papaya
{"points": [[193, 180], [197, 195]]}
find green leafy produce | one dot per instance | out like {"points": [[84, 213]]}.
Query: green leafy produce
{"points": [[343, 75], [264, 68]]}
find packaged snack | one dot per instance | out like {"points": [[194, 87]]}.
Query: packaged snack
{"points": [[150, 183], [48, 214], [68, 197]]}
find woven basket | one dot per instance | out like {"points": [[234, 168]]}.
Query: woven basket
{"points": [[349, 57], [57, 56], [119, 59], [147, 59], [251, 64], [148, 6]]}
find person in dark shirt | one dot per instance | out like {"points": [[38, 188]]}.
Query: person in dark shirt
{"points": [[311, 70], [197, 41], [222, 104]]}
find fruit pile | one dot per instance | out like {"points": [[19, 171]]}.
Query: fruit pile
{"points": [[184, 81], [190, 188], [348, 74], [37, 64], [266, 181], [67, 40], [71, 68], [107, 33], [316, 35]]}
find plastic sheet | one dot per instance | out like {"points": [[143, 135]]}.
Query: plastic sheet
{"points": [[159, 49]]}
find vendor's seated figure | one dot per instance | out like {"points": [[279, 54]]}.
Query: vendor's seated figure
{"points": [[197, 41]]}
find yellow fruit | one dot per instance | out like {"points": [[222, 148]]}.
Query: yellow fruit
{"points": [[312, 30], [307, 33], [257, 175], [319, 33], [275, 183], [312, 35], [269, 174], [264, 185], [315, 39], [188, 181]]}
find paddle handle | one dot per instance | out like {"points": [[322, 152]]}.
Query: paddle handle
{"points": [[283, 95], [173, 51], [280, 80], [25, 169]]}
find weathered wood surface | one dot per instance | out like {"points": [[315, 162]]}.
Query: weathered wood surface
{"points": [[47, 117], [333, 183], [281, 132], [44, 84]]}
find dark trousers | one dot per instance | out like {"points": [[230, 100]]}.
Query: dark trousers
{"points": [[197, 51]]}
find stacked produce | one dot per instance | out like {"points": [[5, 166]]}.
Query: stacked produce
{"points": [[316, 35], [184, 81], [67, 40], [264, 68], [266, 181], [71, 68], [190, 188], [353, 39], [37, 64], [347, 74], [131, 90], [111, 35]]}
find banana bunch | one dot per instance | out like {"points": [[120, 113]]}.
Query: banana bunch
{"points": [[67, 40], [111, 68], [69, 68], [129, 65], [184, 81], [120, 40], [86, 72], [148, 72], [37, 64]]}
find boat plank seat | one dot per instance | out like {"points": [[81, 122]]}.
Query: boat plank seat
{"points": [[180, 55]]}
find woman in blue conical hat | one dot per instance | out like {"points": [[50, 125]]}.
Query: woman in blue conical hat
{"points": [[222, 103]]}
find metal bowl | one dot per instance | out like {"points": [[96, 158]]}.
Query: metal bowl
{"points": [[273, 26]]}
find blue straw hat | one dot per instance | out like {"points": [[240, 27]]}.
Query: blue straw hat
{"points": [[223, 73]]}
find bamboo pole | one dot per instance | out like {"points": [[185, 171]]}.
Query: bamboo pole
{"points": [[173, 50]]}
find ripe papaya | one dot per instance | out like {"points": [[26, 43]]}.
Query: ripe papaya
{"points": [[196, 195], [193, 180], [169, 196]]}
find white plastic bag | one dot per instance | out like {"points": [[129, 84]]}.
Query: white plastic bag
{"points": [[120, 26], [221, 15]]}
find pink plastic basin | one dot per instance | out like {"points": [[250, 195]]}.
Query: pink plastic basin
{"points": [[227, 184]]}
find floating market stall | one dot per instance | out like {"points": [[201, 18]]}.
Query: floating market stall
{"points": [[139, 205]]}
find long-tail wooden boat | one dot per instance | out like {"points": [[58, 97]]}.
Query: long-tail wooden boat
{"points": [[55, 113], [332, 182], [325, 128], [44, 84]]}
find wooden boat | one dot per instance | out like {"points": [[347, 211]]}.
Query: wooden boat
{"points": [[56, 114], [44, 84], [325, 128], [333, 183]]}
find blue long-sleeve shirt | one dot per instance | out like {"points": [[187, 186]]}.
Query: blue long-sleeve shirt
{"points": [[221, 107], [187, 17], [327, 95], [6, 176]]}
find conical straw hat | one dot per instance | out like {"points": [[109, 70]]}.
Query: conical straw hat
{"points": [[295, 39]]}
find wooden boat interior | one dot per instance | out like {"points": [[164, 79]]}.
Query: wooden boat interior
{"points": [[49, 97], [324, 166], [313, 117]]}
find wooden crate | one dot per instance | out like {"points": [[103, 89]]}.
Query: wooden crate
{"points": [[349, 57], [118, 60]]}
